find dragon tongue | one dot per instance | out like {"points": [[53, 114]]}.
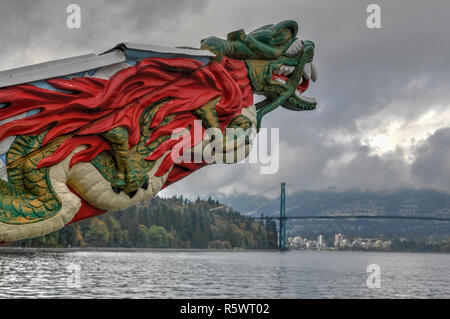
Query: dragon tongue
{"points": [[279, 76], [302, 86]]}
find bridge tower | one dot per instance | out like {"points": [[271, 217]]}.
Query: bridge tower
{"points": [[282, 240]]}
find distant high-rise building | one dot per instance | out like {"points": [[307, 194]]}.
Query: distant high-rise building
{"points": [[338, 239], [311, 244], [320, 242]]}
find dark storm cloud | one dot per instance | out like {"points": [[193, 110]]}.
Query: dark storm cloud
{"points": [[432, 166], [368, 79]]}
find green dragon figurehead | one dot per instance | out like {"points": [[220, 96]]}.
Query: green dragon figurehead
{"points": [[90, 140], [279, 64]]}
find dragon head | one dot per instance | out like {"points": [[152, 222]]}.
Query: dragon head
{"points": [[279, 64]]}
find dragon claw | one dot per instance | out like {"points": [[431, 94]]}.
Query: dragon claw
{"points": [[131, 188], [116, 189], [131, 194]]}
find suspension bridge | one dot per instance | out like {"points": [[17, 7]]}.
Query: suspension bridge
{"points": [[283, 218]]}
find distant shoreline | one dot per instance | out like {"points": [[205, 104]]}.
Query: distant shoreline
{"points": [[121, 249]]}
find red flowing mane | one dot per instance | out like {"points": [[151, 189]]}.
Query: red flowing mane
{"points": [[88, 106]]}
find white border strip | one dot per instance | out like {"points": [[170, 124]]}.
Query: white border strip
{"points": [[51, 69]]}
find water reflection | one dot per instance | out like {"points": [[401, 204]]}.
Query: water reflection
{"points": [[175, 274]]}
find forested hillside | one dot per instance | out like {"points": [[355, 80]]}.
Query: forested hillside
{"points": [[164, 223]]}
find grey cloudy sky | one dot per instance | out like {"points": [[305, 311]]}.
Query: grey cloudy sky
{"points": [[383, 119]]}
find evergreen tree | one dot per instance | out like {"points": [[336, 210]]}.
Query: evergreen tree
{"points": [[164, 222]]}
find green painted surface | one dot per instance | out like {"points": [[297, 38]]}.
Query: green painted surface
{"points": [[264, 50]]}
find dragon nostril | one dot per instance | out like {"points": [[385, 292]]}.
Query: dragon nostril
{"points": [[145, 185]]}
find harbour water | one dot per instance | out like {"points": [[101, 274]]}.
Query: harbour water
{"points": [[218, 274]]}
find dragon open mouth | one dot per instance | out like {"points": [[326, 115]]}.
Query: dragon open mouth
{"points": [[282, 75]]}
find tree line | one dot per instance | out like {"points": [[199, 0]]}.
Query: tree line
{"points": [[165, 223]]}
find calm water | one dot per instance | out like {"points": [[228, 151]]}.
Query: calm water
{"points": [[205, 274]]}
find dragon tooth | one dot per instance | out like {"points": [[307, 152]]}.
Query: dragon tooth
{"points": [[290, 69], [307, 71], [313, 72], [282, 81]]}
